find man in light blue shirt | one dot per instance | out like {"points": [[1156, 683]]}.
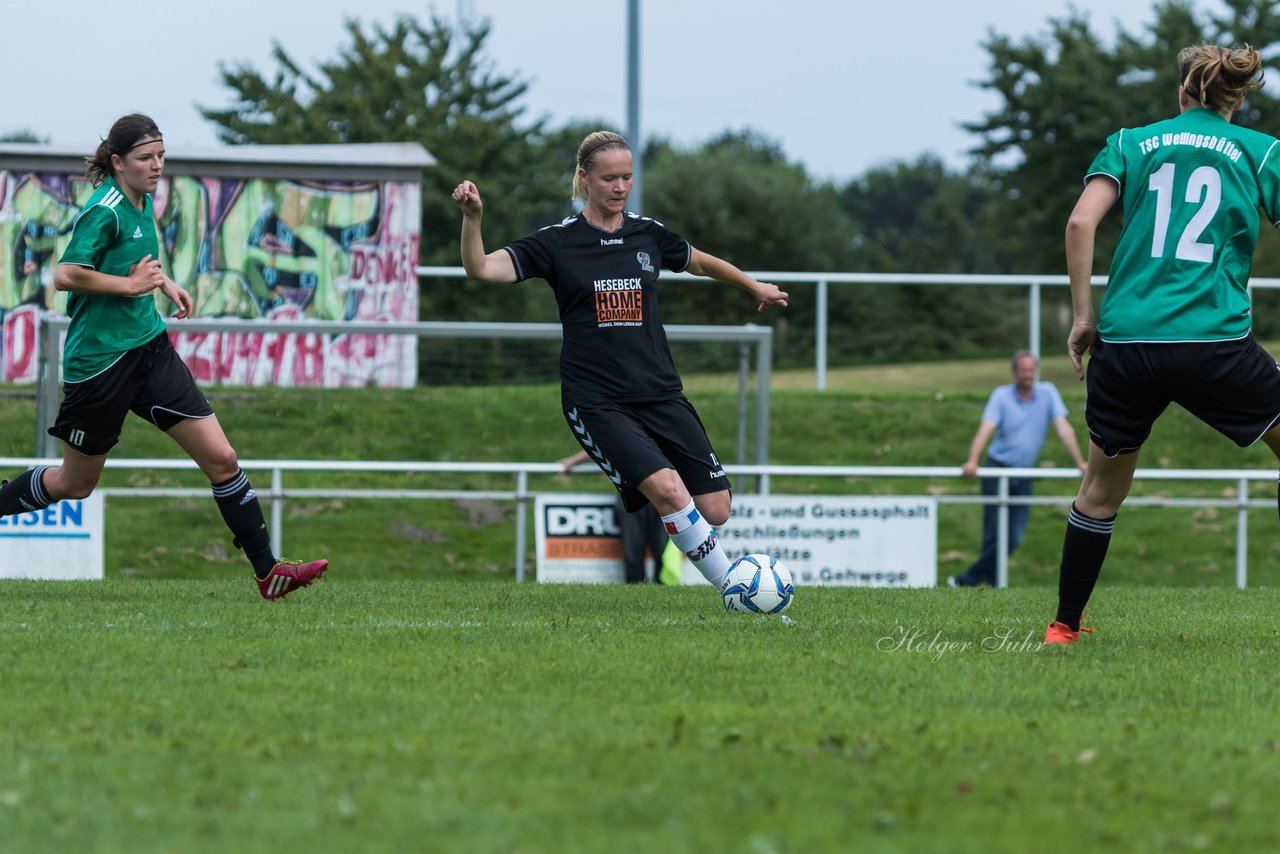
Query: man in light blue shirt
{"points": [[1018, 415]]}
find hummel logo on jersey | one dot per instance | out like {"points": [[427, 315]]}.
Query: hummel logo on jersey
{"points": [[645, 264], [719, 472], [137, 232], [611, 241]]}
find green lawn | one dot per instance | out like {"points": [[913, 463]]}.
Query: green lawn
{"points": [[143, 715], [399, 705]]}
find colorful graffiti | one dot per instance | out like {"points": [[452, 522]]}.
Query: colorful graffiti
{"points": [[243, 248]]}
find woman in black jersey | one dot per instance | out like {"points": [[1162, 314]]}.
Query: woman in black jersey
{"points": [[620, 391]]}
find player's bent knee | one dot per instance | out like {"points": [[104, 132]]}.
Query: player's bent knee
{"points": [[223, 463], [229, 460], [665, 490], [75, 490], [714, 508]]}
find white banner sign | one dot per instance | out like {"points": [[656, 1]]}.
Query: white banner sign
{"points": [[823, 540], [62, 541], [848, 541], [578, 539]]}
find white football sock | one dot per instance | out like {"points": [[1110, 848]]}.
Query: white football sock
{"points": [[691, 533]]}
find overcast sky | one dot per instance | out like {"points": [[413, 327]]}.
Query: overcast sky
{"points": [[843, 85]]}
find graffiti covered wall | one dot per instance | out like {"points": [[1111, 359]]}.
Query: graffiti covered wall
{"points": [[244, 248]]}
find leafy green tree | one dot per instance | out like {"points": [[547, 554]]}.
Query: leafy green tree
{"points": [[431, 84], [413, 82], [918, 216], [738, 197], [1064, 93]]}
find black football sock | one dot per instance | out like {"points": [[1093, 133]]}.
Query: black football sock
{"points": [[25, 493], [240, 509], [1084, 548]]}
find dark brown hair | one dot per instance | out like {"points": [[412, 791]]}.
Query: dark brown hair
{"points": [[1218, 77], [125, 135]]}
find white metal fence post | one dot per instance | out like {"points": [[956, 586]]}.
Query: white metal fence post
{"points": [[277, 511], [522, 507], [820, 337], [49, 375], [1033, 321], [1002, 534], [744, 387], [1242, 533], [764, 378]]}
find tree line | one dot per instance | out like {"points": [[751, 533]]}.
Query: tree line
{"points": [[1060, 94]]}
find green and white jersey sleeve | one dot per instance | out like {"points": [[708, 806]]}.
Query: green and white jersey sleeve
{"points": [[109, 235], [1190, 187]]}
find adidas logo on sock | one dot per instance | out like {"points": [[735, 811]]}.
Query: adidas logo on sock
{"points": [[248, 496]]}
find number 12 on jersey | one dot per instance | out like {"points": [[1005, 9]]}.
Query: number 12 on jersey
{"points": [[1204, 189]]}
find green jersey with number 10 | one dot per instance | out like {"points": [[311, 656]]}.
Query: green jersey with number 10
{"points": [[1191, 187]]}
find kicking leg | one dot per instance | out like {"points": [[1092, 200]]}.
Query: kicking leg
{"points": [[689, 528], [41, 486], [205, 442], [1107, 481]]}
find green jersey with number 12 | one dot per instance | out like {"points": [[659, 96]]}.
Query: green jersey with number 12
{"points": [[1191, 188]]}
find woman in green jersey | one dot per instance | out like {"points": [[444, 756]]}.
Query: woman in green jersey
{"points": [[118, 357], [1175, 324]]}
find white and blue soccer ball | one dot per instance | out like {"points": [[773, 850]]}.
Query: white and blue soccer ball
{"points": [[757, 584]]}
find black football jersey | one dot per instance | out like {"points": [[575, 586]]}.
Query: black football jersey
{"points": [[606, 287]]}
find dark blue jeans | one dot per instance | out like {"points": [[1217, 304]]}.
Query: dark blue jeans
{"points": [[983, 570]]}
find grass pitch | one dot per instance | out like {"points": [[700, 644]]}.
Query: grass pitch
{"points": [[154, 715]]}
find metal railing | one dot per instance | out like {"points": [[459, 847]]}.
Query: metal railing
{"points": [[823, 281], [51, 328], [277, 494]]}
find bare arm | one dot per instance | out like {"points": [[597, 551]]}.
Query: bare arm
{"points": [[986, 430], [179, 297], [1098, 197], [567, 464], [494, 267], [767, 295], [1067, 434], [144, 277]]}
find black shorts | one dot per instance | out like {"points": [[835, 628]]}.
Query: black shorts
{"points": [[150, 380], [630, 441], [1233, 386]]}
